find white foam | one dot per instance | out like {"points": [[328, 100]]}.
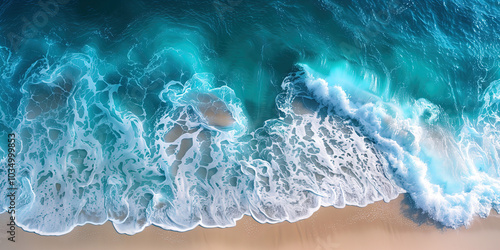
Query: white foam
{"points": [[430, 164], [97, 153]]}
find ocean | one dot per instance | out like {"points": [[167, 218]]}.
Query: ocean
{"points": [[186, 113]]}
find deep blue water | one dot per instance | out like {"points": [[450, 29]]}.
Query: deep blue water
{"points": [[186, 113]]}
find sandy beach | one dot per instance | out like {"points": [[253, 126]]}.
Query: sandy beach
{"points": [[381, 225]]}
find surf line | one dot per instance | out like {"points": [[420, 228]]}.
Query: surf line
{"points": [[11, 190]]}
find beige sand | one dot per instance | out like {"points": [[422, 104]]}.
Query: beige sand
{"points": [[377, 226], [215, 111]]}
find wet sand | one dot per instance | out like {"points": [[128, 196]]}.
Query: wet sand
{"points": [[378, 226]]}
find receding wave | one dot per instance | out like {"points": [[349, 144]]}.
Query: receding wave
{"points": [[188, 118]]}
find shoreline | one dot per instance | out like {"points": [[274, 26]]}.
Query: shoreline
{"points": [[377, 226]]}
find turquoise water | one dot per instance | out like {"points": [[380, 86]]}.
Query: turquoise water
{"points": [[186, 113]]}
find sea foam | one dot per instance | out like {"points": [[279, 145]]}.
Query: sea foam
{"points": [[96, 146], [92, 151], [450, 178]]}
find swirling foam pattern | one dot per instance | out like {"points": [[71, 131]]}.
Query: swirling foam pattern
{"points": [[181, 114]]}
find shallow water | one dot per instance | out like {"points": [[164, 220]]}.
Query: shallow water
{"points": [[186, 113]]}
